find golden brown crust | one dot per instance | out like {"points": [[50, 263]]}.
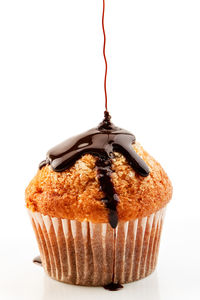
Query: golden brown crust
{"points": [[75, 193]]}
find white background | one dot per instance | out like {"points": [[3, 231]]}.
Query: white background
{"points": [[51, 87]]}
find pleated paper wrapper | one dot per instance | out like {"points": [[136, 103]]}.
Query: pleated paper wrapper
{"points": [[86, 253]]}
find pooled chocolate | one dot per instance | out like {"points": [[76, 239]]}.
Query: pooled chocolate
{"points": [[101, 142]]}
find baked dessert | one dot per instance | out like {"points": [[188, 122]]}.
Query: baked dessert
{"points": [[97, 205]]}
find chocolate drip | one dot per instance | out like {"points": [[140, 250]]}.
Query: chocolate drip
{"points": [[111, 199], [113, 286], [43, 163], [101, 142], [37, 261]]}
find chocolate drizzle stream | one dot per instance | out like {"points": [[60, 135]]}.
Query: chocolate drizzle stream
{"points": [[105, 59], [101, 142]]}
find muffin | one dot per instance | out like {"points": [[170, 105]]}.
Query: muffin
{"points": [[97, 205]]}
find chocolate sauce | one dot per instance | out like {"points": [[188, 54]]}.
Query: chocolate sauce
{"points": [[113, 286], [37, 261], [42, 164], [101, 142], [104, 167]]}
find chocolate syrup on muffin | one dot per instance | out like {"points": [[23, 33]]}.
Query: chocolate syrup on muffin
{"points": [[42, 164], [101, 142]]}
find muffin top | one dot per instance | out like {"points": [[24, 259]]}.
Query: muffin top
{"points": [[76, 194]]}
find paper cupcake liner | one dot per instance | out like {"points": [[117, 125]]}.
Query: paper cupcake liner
{"points": [[91, 254]]}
